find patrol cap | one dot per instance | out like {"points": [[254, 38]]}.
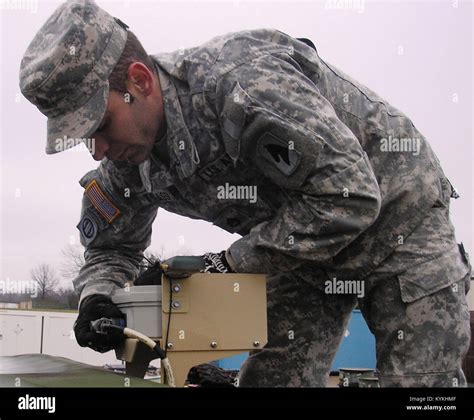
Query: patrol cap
{"points": [[65, 69]]}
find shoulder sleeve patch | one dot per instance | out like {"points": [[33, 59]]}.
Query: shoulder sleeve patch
{"points": [[279, 152], [88, 226], [108, 210], [287, 156]]}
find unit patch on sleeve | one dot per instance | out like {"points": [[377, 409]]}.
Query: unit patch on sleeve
{"points": [[101, 203], [88, 226], [278, 152]]}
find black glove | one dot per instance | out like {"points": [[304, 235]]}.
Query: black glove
{"points": [[95, 307], [209, 376], [216, 263], [151, 276]]}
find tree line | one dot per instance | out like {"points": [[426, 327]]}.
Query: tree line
{"points": [[52, 293]]}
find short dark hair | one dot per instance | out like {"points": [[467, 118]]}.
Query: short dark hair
{"points": [[132, 51]]}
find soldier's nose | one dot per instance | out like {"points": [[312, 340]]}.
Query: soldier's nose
{"points": [[101, 147]]}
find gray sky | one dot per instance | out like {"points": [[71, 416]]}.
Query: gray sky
{"points": [[416, 55]]}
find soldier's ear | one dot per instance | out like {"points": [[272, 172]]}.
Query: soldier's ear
{"points": [[139, 78]]}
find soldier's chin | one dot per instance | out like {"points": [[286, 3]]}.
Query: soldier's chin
{"points": [[138, 157]]}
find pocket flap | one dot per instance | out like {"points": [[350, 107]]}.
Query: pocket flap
{"points": [[233, 121], [433, 275]]}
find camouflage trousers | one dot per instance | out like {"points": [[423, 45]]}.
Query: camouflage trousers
{"points": [[421, 343], [419, 317]]}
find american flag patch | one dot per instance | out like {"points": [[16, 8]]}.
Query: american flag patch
{"points": [[101, 203]]}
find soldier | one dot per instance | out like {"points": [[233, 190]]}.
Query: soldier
{"points": [[349, 192]]}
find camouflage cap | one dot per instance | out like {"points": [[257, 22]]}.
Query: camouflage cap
{"points": [[65, 70]]}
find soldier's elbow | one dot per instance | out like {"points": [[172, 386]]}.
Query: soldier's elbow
{"points": [[372, 208]]}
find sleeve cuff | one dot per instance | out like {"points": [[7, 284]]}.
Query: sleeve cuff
{"points": [[230, 261]]}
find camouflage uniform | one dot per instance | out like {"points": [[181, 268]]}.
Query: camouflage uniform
{"points": [[260, 108]]}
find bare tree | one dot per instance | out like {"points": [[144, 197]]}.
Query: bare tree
{"points": [[162, 254], [73, 261], [150, 257], [45, 278], [68, 297], [181, 250], [155, 255]]}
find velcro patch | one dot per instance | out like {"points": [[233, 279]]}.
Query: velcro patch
{"points": [[216, 167], [88, 227], [101, 203], [287, 154], [278, 151], [164, 196]]}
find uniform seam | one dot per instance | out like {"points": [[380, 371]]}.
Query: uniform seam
{"points": [[324, 120], [357, 88], [247, 59], [294, 122], [361, 119], [418, 374]]}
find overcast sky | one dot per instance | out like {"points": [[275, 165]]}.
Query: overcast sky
{"points": [[416, 55]]}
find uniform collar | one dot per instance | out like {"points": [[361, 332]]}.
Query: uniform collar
{"points": [[154, 172], [184, 158]]}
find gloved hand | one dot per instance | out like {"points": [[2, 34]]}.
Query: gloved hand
{"points": [[95, 307], [210, 376], [151, 276], [216, 263]]}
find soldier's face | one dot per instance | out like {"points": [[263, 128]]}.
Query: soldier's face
{"points": [[130, 125]]}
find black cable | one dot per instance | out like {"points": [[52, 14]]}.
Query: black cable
{"points": [[103, 326], [150, 261], [146, 266], [161, 354], [169, 319], [113, 327]]}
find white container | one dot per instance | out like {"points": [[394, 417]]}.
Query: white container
{"points": [[142, 308]]}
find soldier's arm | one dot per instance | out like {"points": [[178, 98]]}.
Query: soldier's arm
{"points": [[273, 117], [115, 227]]}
